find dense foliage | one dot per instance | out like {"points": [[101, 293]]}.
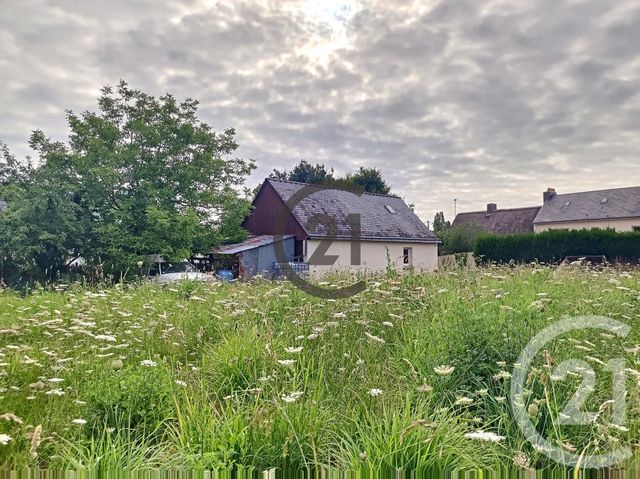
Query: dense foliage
{"points": [[555, 245], [404, 375], [369, 180], [142, 175], [459, 239]]}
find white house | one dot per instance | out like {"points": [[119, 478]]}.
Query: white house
{"points": [[335, 229], [617, 209]]}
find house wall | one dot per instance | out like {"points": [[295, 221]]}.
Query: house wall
{"points": [[373, 256], [621, 224]]}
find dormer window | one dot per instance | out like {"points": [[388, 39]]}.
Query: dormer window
{"points": [[604, 200], [390, 209]]}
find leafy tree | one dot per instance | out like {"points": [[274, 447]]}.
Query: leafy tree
{"points": [[142, 175], [38, 224], [459, 239], [439, 223], [305, 172], [365, 179], [369, 180]]}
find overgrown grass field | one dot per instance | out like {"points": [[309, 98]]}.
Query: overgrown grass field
{"points": [[413, 373]]}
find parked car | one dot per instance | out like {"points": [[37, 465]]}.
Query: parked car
{"points": [[182, 271]]}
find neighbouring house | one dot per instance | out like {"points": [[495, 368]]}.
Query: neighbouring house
{"points": [[333, 229], [617, 208], [499, 221], [3, 205]]}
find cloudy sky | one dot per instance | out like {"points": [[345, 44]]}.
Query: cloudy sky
{"points": [[483, 101]]}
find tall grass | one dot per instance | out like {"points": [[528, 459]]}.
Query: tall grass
{"points": [[261, 375]]}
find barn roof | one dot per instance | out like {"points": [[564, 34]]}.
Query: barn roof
{"points": [[591, 205], [382, 217], [504, 221]]}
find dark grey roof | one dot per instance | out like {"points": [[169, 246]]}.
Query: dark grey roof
{"points": [[505, 221], [381, 217], [591, 205]]}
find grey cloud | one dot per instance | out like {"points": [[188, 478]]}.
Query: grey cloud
{"points": [[479, 101]]}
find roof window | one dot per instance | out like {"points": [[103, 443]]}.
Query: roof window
{"points": [[390, 209], [604, 200]]}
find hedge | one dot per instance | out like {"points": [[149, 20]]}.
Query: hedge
{"points": [[555, 245]]}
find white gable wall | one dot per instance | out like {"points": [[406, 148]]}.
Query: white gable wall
{"points": [[375, 256]]}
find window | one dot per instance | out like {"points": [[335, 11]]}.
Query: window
{"points": [[389, 209], [635, 228], [407, 257]]}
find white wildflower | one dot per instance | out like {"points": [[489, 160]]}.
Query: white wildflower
{"points": [[374, 338], [106, 337], [388, 324], [375, 392], [4, 439], [463, 401], [181, 383], [444, 370], [80, 422], [56, 380], [502, 375], [484, 436], [424, 388], [55, 392], [293, 350], [286, 362], [148, 363], [292, 397]]}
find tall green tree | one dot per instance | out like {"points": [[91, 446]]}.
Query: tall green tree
{"points": [[439, 223], [369, 180], [305, 172], [141, 175]]}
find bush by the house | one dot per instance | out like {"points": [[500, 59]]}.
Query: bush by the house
{"points": [[555, 245], [458, 239]]}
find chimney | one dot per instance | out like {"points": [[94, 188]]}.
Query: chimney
{"points": [[547, 195], [491, 208]]}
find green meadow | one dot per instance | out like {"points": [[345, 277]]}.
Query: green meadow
{"points": [[413, 373]]}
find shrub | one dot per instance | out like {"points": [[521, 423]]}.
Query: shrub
{"points": [[137, 397], [459, 239], [555, 245]]}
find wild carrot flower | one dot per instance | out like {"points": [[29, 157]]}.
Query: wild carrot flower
{"points": [[293, 350], [424, 388], [4, 439], [11, 417], [502, 375], [463, 401], [79, 422], [484, 436], [374, 338], [286, 362], [375, 392], [181, 383], [148, 363], [444, 370], [292, 397]]}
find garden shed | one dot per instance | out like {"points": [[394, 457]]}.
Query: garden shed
{"points": [[257, 255]]}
